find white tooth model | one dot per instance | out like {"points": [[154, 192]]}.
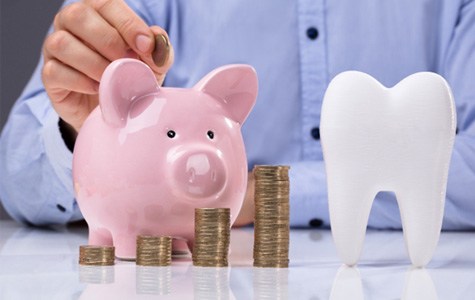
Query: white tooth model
{"points": [[397, 139]]}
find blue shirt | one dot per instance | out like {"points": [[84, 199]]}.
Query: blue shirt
{"points": [[297, 47]]}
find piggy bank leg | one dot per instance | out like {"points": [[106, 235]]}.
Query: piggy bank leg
{"points": [[100, 237], [191, 244], [180, 246], [125, 245]]}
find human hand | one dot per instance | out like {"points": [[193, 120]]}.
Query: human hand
{"points": [[87, 36], [246, 215]]}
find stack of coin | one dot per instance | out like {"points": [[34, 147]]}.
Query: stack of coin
{"points": [[154, 250], [271, 224], [96, 255], [212, 235]]}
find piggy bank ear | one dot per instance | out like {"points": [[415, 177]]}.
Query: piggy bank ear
{"points": [[123, 82], [235, 86]]}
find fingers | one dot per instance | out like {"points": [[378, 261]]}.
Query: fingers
{"points": [[88, 35], [88, 26], [130, 26], [73, 95], [58, 76], [113, 30], [63, 46], [74, 108]]}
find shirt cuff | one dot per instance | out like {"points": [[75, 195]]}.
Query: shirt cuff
{"points": [[58, 154], [63, 208]]}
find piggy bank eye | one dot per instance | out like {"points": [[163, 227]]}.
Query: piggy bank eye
{"points": [[210, 134], [171, 134]]}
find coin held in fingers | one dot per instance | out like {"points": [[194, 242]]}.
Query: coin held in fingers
{"points": [[161, 51]]}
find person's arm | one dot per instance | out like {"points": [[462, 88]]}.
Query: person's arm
{"points": [[35, 162], [35, 165]]}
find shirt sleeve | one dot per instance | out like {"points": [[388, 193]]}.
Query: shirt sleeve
{"points": [[36, 186], [35, 164], [458, 67]]}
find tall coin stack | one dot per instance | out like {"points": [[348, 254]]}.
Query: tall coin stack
{"points": [[271, 224], [96, 255], [212, 235], [154, 250]]}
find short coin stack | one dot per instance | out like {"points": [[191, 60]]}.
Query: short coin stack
{"points": [[271, 225], [96, 255], [154, 250], [212, 235]]}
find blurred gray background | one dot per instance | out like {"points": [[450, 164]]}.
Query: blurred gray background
{"points": [[23, 26]]}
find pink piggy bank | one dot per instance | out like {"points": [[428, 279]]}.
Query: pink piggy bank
{"points": [[148, 156]]}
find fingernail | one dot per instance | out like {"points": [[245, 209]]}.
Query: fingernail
{"points": [[162, 50], [143, 43]]}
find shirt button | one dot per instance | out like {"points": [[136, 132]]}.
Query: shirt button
{"points": [[315, 223], [315, 133], [312, 33], [60, 207]]}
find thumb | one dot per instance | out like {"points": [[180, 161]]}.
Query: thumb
{"points": [[162, 55]]}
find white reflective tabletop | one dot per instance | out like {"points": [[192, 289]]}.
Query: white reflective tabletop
{"points": [[43, 264]]}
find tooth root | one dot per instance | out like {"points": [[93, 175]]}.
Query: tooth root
{"points": [[349, 212], [422, 209]]}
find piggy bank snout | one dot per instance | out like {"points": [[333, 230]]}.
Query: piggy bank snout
{"points": [[200, 173]]}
